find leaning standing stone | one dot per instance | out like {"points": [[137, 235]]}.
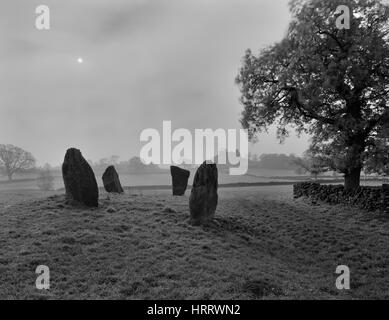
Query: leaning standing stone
{"points": [[79, 179], [111, 180], [179, 180], [203, 197]]}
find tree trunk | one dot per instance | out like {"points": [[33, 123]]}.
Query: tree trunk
{"points": [[352, 179], [9, 176]]}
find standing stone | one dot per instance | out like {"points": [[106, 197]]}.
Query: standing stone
{"points": [[111, 180], [179, 180], [79, 179], [203, 197]]}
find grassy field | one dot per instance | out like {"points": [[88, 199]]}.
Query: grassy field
{"points": [[262, 245]]}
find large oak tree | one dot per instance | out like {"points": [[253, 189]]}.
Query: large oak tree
{"points": [[328, 82]]}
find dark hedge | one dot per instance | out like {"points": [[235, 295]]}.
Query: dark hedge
{"points": [[368, 198]]}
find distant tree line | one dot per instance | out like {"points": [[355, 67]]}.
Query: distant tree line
{"points": [[273, 161], [15, 160], [132, 166]]}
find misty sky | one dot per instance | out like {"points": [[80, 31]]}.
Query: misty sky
{"points": [[145, 61]]}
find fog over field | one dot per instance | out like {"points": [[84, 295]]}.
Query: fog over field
{"points": [[143, 62], [173, 150]]}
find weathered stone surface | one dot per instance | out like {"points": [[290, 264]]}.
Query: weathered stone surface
{"points": [[79, 179], [203, 198], [111, 180], [179, 180]]}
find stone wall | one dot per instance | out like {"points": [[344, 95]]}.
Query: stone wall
{"points": [[368, 198]]}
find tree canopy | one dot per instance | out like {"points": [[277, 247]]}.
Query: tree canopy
{"points": [[14, 159], [328, 82]]}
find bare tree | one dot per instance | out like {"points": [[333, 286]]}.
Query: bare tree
{"points": [[14, 159]]}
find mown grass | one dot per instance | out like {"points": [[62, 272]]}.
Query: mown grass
{"points": [[261, 245]]}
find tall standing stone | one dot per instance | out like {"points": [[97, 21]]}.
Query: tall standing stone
{"points": [[111, 180], [203, 198], [79, 179], [179, 180]]}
